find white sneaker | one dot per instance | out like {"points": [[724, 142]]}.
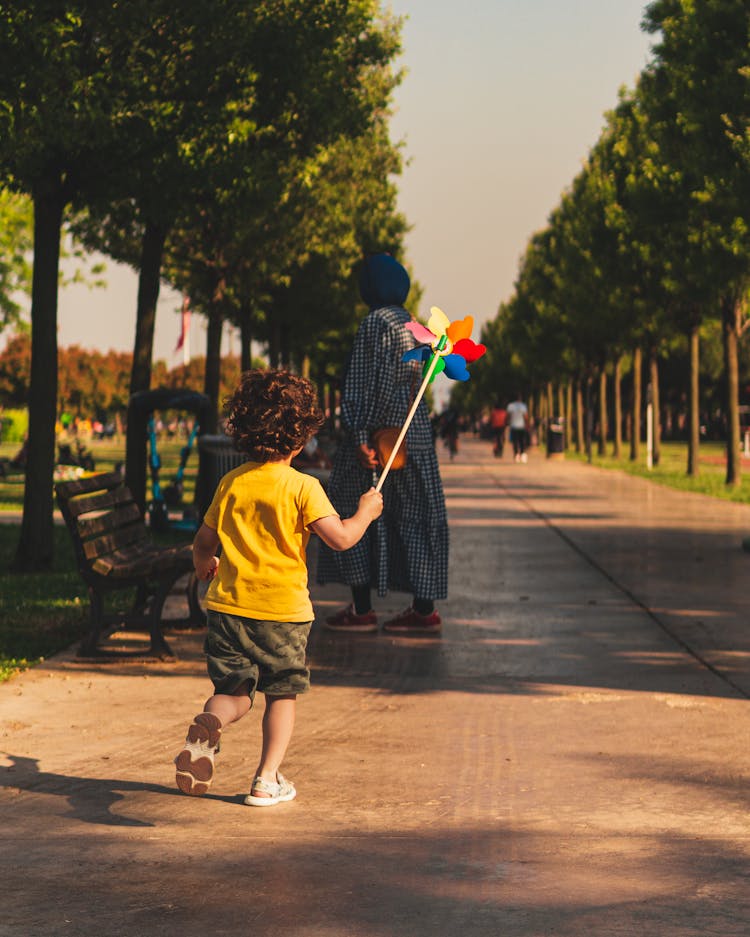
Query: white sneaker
{"points": [[195, 763], [524, 457]]}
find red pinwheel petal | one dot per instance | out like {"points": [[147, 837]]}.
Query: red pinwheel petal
{"points": [[469, 349]]}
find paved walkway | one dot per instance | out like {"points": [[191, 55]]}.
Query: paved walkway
{"points": [[570, 759]]}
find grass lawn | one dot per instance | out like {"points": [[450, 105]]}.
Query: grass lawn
{"points": [[672, 467], [43, 613]]}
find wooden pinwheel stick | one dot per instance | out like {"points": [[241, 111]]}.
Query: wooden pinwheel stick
{"points": [[420, 393]]}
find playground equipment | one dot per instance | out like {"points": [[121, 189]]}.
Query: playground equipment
{"points": [[146, 403]]}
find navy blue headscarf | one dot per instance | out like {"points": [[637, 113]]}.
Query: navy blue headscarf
{"points": [[383, 281]]}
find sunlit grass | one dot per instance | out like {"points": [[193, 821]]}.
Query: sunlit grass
{"points": [[672, 470], [107, 454], [40, 613]]}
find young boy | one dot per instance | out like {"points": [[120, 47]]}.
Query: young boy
{"points": [[259, 609]]}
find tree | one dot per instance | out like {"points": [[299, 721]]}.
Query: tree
{"points": [[700, 76], [292, 76], [80, 85]]}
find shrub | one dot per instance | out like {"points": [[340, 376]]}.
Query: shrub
{"points": [[14, 425]]}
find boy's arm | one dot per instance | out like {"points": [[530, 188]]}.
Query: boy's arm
{"points": [[205, 545], [340, 535]]}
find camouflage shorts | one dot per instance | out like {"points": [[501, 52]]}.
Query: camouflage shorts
{"points": [[269, 655]]}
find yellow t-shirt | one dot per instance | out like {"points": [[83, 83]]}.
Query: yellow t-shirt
{"points": [[262, 513]]}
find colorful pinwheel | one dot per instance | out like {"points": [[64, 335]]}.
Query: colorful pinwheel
{"points": [[448, 340], [446, 346]]}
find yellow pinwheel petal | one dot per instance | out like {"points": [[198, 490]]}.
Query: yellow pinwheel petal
{"points": [[459, 329], [438, 321]]}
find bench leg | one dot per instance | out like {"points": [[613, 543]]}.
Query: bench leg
{"points": [[159, 646], [99, 627], [196, 591], [89, 645]]}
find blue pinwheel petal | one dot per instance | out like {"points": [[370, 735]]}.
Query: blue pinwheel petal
{"points": [[420, 353], [455, 368]]}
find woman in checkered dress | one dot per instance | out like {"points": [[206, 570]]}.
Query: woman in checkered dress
{"points": [[407, 549]]}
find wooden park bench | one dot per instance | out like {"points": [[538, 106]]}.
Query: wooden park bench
{"points": [[115, 551]]}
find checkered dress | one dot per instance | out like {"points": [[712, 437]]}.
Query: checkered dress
{"points": [[407, 548]]}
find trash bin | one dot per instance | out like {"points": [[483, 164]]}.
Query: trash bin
{"points": [[556, 440], [217, 457]]}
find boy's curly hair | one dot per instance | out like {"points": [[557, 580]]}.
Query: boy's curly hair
{"points": [[271, 414]]}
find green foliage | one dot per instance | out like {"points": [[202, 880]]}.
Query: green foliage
{"points": [[651, 242], [16, 242], [14, 425]]}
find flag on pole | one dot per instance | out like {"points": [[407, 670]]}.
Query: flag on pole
{"points": [[183, 342]]}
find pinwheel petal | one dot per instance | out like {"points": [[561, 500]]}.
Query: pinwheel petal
{"points": [[420, 353], [438, 321], [460, 329], [421, 333], [440, 366], [455, 368], [469, 349]]}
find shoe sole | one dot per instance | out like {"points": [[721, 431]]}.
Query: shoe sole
{"points": [[253, 801], [195, 764]]}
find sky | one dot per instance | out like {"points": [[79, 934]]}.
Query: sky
{"points": [[500, 103]]}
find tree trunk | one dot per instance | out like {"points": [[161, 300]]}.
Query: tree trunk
{"points": [[285, 346], [35, 550], [212, 376], [731, 311], [246, 340], [579, 418], [152, 250], [694, 428], [656, 406], [274, 343], [617, 435], [550, 404], [603, 427], [589, 417], [568, 413], [635, 410], [543, 409]]}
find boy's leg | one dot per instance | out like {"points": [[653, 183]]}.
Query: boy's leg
{"points": [[278, 725], [195, 763], [229, 708]]}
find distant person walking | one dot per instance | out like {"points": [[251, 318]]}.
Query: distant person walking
{"points": [[518, 421], [498, 422], [449, 431]]}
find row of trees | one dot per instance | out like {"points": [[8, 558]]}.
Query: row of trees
{"points": [[239, 151], [649, 248], [96, 385]]}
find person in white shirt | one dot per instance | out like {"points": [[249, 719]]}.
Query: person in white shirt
{"points": [[518, 421]]}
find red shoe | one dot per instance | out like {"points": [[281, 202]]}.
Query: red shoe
{"points": [[411, 622], [348, 620]]}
